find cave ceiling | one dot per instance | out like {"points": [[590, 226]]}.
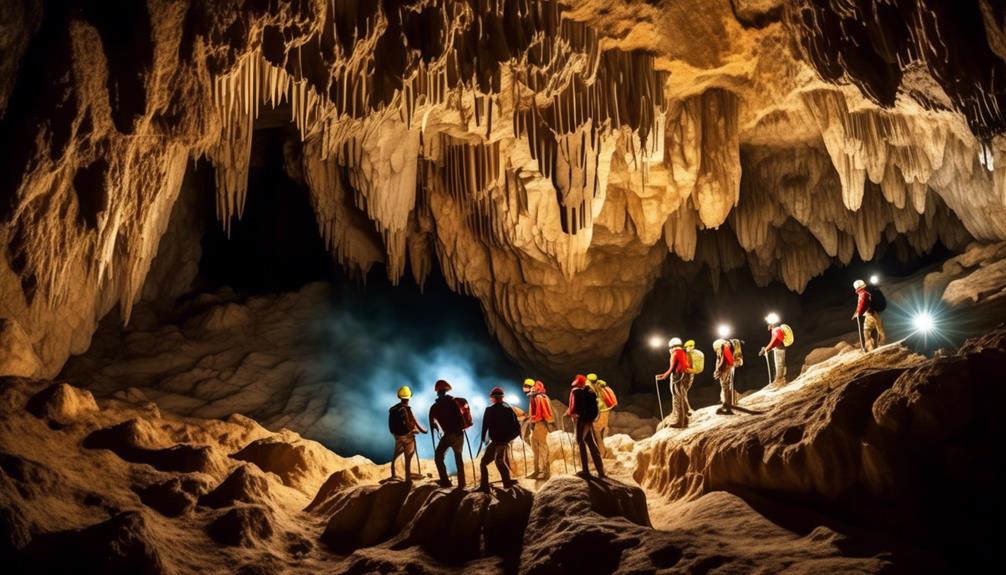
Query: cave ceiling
{"points": [[552, 159]]}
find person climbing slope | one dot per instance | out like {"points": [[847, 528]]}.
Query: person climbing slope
{"points": [[583, 410], [678, 372], [499, 422], [446, 416], [873, 327], [403, 427], [540, 417]]}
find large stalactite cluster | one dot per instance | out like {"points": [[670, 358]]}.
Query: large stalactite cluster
{"points": [[547, 156]]}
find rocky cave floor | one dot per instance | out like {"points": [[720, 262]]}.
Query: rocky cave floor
{"points": [[859, 465]]}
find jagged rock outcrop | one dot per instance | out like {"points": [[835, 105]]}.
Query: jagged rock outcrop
{"points": [[547, 157]]}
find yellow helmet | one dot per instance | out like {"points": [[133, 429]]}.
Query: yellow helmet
{"points": [[404, 392], [690, 344], [529, 382], [591, 377]]}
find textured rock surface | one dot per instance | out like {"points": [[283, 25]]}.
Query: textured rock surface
{"points": [[547, 158], [837, 473]]}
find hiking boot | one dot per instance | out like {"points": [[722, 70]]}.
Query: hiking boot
{"points": [[724, 411], [484, 488], [583, 474], [509, 484], [533, 475], [445, 483]]}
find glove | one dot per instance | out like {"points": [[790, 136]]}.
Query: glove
{"points": [[855, 315], [762, 352]]}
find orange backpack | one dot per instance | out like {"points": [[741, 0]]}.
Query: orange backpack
{"points": [[543, 407], [607, 395]]}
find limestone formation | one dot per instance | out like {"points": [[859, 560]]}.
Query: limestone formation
{"points": [[546, 156]]}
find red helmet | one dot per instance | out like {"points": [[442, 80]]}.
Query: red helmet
{"points": [[496, 392], [442, 386], [580, 380]]}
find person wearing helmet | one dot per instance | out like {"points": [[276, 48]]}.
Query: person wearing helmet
{"points": [[403, 427], [678, 372], [778, 349], [583, 410], [724, 372], [873, 327], [499, 423], [539, 415], [446, 417]]}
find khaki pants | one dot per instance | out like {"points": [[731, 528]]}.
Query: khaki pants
{"points": [[873, 330], [680, 383], [727, 395], [585, 442], [601, 431], [404, 444], [455, 441], [539, 446], [780, 365]]}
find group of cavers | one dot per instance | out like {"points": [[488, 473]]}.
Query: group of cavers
{"points": [[590, 401], [686, 361]]}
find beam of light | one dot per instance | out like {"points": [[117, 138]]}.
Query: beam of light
{"points": [[874, 279], [923, 322], [772, 317], [656, 342], [723, 330]]}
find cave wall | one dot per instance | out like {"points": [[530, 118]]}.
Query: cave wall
{"points": [[548, 159]]}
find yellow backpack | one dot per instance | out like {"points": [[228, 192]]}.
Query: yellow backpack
{"points": [[787, 335]]}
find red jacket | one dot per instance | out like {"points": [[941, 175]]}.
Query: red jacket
{"points": [[864, 301], [778, 335], [728, 355], [679, 360]]}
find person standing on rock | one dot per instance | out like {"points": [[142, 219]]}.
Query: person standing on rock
{"points": [[724, 372], [873, 327], [583, 410], [678, 372], [446, 416], [777, 345], [540, 417], [403, 426], [500, 423], [606, 401]]}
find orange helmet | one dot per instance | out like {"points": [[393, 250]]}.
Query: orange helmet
{"points": [[496, 392], [442, 386]]}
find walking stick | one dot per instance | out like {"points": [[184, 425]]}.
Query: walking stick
{"points": [[419, 462], [470, 456], [859, 332], [660, 404], [562, 451], [769, 367], [523, 453]]}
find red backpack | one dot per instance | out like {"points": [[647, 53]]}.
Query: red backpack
{"points": [[466, 412]]}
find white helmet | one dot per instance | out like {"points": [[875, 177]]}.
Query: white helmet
{"points": [[858, 284], [674, 342]]}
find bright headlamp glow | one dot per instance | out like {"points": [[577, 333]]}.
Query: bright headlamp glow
{"points": [[772, 318], [874, 279], [923, 322], [656, 342], [723, 330]]}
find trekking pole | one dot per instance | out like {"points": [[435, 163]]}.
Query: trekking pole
{"points": [[859, 332], [419, 462], [769, 367], [660, 404], [562, 451], [523, 453], [470, 456]]}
